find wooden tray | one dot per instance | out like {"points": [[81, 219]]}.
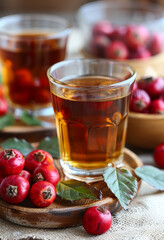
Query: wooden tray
{"points": [[63, 213], [31, 133]]}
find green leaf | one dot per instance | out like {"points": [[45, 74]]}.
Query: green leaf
{"points": [[20, 144], [6, 120], [50, 144], [75, 190], [29, 119], [122, 183], [151, 175]]}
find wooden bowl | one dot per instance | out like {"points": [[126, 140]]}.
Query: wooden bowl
{"points": [[145, 130], [152, 66]]}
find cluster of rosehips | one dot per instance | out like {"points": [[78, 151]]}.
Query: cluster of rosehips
{"points": [[148, 96], [34, 176], [3, 103], [124, 42]]}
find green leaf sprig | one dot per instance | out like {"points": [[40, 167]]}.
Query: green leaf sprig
{"points": [[75, 190], [6, 120], [29, 119]]}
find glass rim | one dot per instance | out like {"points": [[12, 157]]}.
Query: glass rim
{"points": [[120, 84], [63, 31], [91, 6]]}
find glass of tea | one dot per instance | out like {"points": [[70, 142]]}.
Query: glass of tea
{"points": [[90, 98], [29, 45]]}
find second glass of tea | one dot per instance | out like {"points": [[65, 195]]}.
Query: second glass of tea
{"points": [[90, 98], [29, 45]]}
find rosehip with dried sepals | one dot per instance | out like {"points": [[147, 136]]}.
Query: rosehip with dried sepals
{"points": [[117, 50], [140, 101], [11, 162], [97, 220], [26, 175], [159, 155], [14, 189], [157, 106], [137, 36], [3, 106], [153, 86], [42, 194], [36, 158], [46, 173]]}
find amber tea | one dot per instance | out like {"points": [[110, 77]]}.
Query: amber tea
{"points": [[29, 45], [90, 98], [24, 69], [92, 131]]}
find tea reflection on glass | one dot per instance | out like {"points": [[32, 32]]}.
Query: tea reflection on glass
{"points": [[29, 45], [91, 101]]}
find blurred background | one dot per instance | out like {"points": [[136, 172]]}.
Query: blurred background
{"points": [[17, 6]]}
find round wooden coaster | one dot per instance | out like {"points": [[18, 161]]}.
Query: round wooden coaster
{"points": [[31, 133], [64, 213]]}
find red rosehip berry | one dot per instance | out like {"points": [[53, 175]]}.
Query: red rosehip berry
{"points": [[140, 53], [46, 173], [156, 43], [135, 86], [14, 189], [119, 33], [102, 28], [157, 106], [140, 101], [23, 79], [3, 106], [137, 36], [98, 45], [153, 86], [97, 220], [37, 158], [26, 175], [117, 50], [42, 194], [159, 155], [11, 162]]}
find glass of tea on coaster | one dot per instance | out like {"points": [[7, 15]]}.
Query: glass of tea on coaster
{"points": [[29, 45], [90, 98]]}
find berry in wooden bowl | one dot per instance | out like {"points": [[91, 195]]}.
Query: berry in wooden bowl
{"points": [[146, 117], [125, 32]]}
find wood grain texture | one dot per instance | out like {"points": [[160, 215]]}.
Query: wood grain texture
{"points": [[63, 213], [145, 130]]}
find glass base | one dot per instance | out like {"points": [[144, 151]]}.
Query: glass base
{"points": [[45, 112], [88, 176]]}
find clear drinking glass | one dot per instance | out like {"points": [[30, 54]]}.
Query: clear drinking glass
{"points": [[29, 45], [90, 98]]}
